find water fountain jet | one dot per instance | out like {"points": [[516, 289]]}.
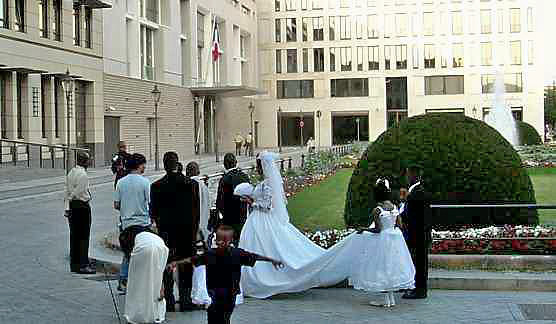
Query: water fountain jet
{"points": [[500, 117]]}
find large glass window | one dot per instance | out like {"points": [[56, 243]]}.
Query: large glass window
{"points": [[290, 5], [3, 108], [57, 21], [401, 24], [359, 24], [430, 56], [515, 20], [147, 53], [318, 28], [305, 55], [401, 57], [428, 23], [512, 82], [43, 17], [395, 118], [88, 27], [149, 9], [333, 52], [530, 19], [389, 26], [444, 85], [278, 61], [304, 4], [360, 58], [20, 15], [277, 30], [486, 54], [277, 5], [318, 59], [373, 58], [457, 23], [77, 24], [290, 89], [291, 60], [345, 27], [372, 26], [486, 22], [4, 21], [396, 94], [457, 55], [291, 30], [345, 58], [349, 87], [500, 20], [415, 56], [304, 28], [388, 49], [515, 52], [444, 50], [332, 28], [530, 52]]}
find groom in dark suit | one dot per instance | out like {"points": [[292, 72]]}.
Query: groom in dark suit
{"points": [[232, 209], [417, 225]]}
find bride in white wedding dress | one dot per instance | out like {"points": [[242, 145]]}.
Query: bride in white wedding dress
{"points": [[268, 231]]}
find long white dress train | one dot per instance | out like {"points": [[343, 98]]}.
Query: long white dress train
{"points": [[268, 232]]}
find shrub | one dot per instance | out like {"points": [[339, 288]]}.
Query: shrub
{"points": [[528, 135], [464, 161]]}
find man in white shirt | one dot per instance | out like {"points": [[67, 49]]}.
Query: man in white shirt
{"points": [[132, 198], [78, 213]]}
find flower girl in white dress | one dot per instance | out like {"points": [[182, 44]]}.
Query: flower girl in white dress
{"points": [[385, 264]]}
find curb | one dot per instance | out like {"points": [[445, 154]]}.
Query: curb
{"points": [[537, 263]]}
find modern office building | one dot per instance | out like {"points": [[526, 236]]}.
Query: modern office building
{"points": [[345, 70], [39, 42], [169, 44]]}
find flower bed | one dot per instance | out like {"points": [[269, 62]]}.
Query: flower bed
{"points": [[489, 240], [536, 156]]}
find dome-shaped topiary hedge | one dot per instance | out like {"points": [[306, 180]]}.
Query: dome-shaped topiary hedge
{"points": [[464, 161], [528, 135]]}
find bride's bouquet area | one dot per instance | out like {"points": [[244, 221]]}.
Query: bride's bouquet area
{"points": [[488, 240]]}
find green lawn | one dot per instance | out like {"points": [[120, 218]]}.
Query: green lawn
{"points": [[322, 206], [544, 182]]}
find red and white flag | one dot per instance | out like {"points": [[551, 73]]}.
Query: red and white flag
{"points": [[216, 52]]}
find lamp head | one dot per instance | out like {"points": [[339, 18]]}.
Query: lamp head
{"points": [[156, 94]]}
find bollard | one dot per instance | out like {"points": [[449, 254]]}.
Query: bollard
{"points": [[14, 154], [282, 165], [52, 156], [289, 163], [302, 160]]}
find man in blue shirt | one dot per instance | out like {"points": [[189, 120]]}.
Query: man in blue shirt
{"points": [[132, 198]]}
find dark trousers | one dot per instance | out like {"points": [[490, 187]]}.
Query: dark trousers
{"points": [[420, 249], [185, 278], [238, 149], [80, 232], [222, 307]]}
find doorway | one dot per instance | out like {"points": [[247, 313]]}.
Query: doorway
{"points": [[207, 124], [111, 137]]}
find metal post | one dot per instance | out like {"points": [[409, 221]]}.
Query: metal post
{"points": [[14, 154], [68, 123], [282, 165], [358, 121], [28, 155], [319, 115], [302, 160], [301, 127], [289, 163], [156, 161]]}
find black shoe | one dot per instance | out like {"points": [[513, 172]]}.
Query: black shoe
{"points": [[414, 295], [86, 270]]}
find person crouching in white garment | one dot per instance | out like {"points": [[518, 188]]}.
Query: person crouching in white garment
{"points": [[144, 300]]}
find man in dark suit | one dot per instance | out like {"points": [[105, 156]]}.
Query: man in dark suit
{"points": [[175, 210], [232, 209], [417, 225]]}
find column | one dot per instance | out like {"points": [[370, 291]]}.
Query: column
{"points": [[49, 110], [11, 106]]}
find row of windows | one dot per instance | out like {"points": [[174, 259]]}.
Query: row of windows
{"points": [[359, 87], [50, 20], [395, 57], [360, 27], [293, 5]]}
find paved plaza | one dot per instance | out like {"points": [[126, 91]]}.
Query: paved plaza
{"points": [[37, 287]]}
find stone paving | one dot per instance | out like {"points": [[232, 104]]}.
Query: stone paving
{"points": [[36, 286]]}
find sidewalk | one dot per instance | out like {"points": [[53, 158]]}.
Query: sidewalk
{"points": [[18, 181]]}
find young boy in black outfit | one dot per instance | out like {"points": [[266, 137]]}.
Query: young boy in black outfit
{"points": [[223, 273]]}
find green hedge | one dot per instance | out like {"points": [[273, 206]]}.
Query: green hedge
{"points": [[528, 135], [464, 161]]}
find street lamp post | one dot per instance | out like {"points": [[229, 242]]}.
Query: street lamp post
{"points": [[475, 111], [358, 121], [68, 84], [279, 130], [251, 110], [301, 124], [156, 98]]}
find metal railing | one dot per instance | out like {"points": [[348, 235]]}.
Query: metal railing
{"points": [[18, 153]]}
